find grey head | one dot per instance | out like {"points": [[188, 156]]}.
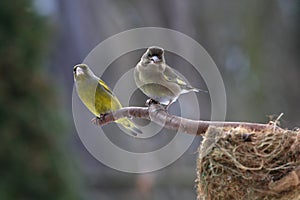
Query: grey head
{"points": [[154, 55]]}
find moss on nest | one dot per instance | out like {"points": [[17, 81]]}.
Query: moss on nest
{"points": [[238, 163]]}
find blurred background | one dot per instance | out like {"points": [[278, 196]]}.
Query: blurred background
{"points": [[255, 45]]}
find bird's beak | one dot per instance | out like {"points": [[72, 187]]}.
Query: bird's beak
{"points": [[79, 71], [155, 59]]}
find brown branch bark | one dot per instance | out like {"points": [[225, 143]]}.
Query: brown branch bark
{"points": [[159, 115]]}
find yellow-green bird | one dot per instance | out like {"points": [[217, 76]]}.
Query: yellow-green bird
{"points": [[97, 96], [159, 81]]}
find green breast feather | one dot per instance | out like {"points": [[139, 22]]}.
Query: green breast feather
{"points": [[98, 98]]}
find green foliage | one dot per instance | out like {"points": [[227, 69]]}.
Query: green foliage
{"points": [[32, 165]]}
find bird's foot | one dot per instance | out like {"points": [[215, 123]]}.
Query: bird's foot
{"points": [[157, 105], [151, 101], [97, 120]]}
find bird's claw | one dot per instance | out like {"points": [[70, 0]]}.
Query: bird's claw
{"points": [[151, 101], [97, 120]]}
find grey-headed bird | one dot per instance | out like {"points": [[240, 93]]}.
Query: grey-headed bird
{"points": [[159, 81]]}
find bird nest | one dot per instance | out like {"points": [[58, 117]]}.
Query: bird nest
{"points": [[237, 163]]}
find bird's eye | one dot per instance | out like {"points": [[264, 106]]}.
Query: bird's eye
{"points": [[74, 69]]}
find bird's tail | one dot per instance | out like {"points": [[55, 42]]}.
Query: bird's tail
{"points": [[198, 90], [192, 89], [128, 124]]}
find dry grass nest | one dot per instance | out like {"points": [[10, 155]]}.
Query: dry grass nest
{"points": [[238, 163]]}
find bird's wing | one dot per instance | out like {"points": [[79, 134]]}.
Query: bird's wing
{"points": [[171, 76], [105, 87], [115, 100]]}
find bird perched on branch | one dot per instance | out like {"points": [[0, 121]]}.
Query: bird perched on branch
{"points": [[159, 81], [98, 97]]}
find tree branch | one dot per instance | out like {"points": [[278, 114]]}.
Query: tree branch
{"points": [[158, 114]]}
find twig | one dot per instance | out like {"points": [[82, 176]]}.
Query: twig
{"points": [[158, 114]]}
